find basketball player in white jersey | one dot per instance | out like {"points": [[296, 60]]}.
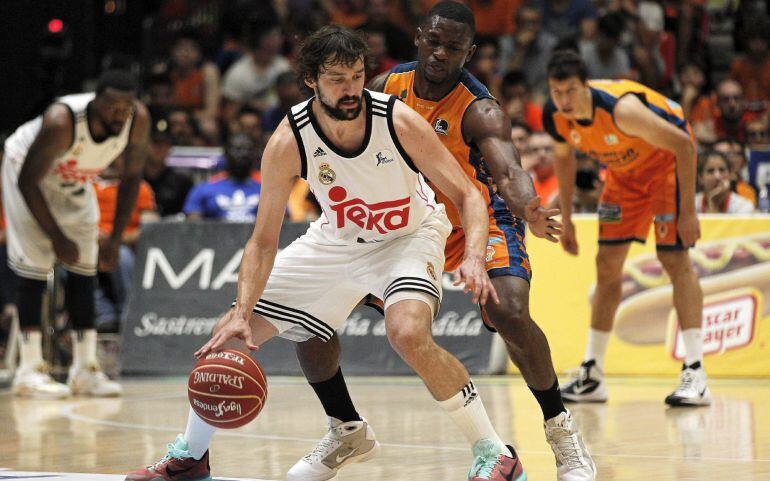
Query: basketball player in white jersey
{"points": [[52, 216], [381, 232]]}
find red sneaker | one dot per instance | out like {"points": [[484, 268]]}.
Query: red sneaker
{"points": [[177, 465], [491, 465]]}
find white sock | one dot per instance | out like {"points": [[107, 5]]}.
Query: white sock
{"points": [[198, 435], [693, 345], [467, 411], [31, 351], [596, 348], [83, 348]]}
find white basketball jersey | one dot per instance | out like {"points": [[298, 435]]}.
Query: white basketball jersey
{"points": [[374, 194]]}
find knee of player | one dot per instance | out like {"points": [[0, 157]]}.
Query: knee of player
{"points": [[675, 263], [608, 269], [512, 314], [409, 339]]}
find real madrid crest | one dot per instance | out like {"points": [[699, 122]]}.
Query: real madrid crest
{"points": [[326, 175]]}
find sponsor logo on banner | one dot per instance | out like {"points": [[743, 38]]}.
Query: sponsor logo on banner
{"points": [[729, 320], [383, 217]]}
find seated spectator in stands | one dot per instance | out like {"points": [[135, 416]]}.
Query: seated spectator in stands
{"points": [[113, 287], [542, 150], [694, 98], [728, 119], [249, 122], [588, 184], [647, 60], [350, 13], [183, 129], [569, 18], [195, 81], [736, 155], [757, 134], [716, 195], [603, 55], [160, 96], [520, 133], [400, 45], [231, 197], [251, 80], [289, 94], [516, 100], [529, 49], [170, 186], [752, 70], [484, 64], [379, 55]]}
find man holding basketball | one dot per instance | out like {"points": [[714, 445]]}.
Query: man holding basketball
{"points": [[382, 232]]}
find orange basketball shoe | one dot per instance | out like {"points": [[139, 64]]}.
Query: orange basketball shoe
{"points": [[177, 465]]}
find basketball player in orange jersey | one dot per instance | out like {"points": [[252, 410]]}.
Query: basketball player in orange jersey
{"points": [[470, 123], [650, 154], [381, 232]]}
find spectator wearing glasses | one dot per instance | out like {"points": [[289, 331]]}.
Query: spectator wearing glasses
{"points": [[736, 155], [757, 134], [728, 119]]}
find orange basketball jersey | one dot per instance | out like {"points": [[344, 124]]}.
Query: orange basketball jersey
{"points": [[446, 117], [601, 139]]}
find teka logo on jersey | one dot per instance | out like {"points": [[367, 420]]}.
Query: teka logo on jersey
{"points": [[382, 216]]}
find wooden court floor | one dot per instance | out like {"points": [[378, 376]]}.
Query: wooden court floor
{"points": [[633, 437]]}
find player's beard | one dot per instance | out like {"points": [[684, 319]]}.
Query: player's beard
{"points": [[337, 112]]}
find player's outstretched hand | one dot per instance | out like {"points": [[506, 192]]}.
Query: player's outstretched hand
{"points": [[66, 250], [472, 273], [568, 238], [232, 325], [541, 221]]}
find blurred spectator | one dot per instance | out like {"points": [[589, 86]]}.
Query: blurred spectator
{"points": [[400, 45], [494, 18], [289, 95], [603, 55], [688, 24], [520, 133], [728, 119], [757, 134], [647, 51], [484, 64], [714, 181], [569, 18], [350, 13], [695, 98], [170, 186], [231, 197], [752, 70], [249, 122], [588, 184], [529, 49], [736, 155], [251, 79], [542, 149], [183, 129], [113, 287], [516, 100], [160, 95], [380, 59], [195, 82]]}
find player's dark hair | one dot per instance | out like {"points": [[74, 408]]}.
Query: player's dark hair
{"points": [[565, 64], [458, 12], [122, 80], [330, 45]]}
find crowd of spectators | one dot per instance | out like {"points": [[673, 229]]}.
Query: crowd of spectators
{"points": [[224, 78]]}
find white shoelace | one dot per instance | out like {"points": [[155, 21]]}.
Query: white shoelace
{"points": [[569, 448], [321, 450], [688, 379]]}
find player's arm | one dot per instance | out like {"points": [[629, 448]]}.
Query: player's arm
{"points": [[378, 83], [566, 168], [135, 155], [437, 163], [281, 165], [54, 139], [636, 119]]}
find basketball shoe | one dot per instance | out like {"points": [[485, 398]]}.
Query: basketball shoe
{"points": [[692, 390], [177, 465], [587, 386], [490, 463], [344, 443], [573, 463], [35, 382], [89, 380]]}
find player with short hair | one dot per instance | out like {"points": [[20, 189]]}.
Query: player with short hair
{"points": [[470, 123], [52, 214], [382, 232], [650, 153]]}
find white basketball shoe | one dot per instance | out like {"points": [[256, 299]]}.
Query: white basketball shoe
{"points": [[692, 390], [35, 382], [573, 462], [344, 443], [89, 380], [587, 386]]}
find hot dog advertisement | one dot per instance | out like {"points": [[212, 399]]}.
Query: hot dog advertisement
{"points": [[732, 263]]}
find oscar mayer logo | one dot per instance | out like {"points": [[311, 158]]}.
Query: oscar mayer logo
{"points": [[383, 217]]}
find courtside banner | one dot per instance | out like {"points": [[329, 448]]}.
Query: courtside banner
{"points": [[732, 262], [185, 278]]}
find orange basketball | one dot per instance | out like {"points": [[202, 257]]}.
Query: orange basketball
{"points": [[227, 389]]}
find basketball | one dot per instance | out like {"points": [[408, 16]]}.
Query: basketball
{"points": [[227, 389]]}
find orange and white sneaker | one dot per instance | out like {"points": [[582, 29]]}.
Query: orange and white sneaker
{"points": [[89, 380], [36, 382]]}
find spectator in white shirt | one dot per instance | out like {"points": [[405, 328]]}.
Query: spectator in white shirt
{"points": [[716, 196]]}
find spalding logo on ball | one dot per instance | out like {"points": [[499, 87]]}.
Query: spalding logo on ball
{"points": [[227, 389]]}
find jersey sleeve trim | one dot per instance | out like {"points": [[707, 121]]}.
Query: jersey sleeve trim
{"points": [[549, 124], [394, 136], [74, 119], [300, 144]]}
